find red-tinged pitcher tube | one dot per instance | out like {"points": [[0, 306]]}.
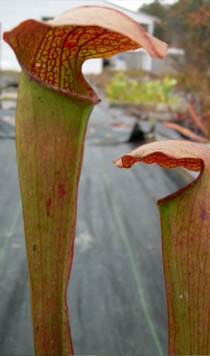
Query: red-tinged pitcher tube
{"points": [[49, 144], [54, 104], [185, 224]]}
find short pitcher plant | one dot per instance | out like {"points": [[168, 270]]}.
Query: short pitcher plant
{"points": [[185, 224]]}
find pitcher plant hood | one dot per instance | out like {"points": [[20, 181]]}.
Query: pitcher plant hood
{"points": [[53, 52]]}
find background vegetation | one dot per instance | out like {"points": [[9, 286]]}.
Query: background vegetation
{"points": [[124, 88], [186, 24]]}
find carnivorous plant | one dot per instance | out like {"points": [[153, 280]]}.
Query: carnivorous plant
{"points": [[185, 223], [53, 107]]}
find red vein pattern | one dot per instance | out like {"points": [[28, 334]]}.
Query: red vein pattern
{"points": [[185, 223], [50, 130], [53, 53]]}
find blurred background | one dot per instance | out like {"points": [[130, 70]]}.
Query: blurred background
{"points": [[116, 295]]}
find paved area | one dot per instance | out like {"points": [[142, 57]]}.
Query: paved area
{"points": [[116, 293]]}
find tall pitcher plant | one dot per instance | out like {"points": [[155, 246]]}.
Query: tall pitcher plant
{"points": [[53, 107]]}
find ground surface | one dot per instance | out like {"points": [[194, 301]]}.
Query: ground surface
{"points": [[116, 294]]}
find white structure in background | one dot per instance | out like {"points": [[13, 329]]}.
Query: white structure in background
{"points": [[14, 12]]}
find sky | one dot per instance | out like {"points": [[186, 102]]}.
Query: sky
{"points": [[136, 4]]}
